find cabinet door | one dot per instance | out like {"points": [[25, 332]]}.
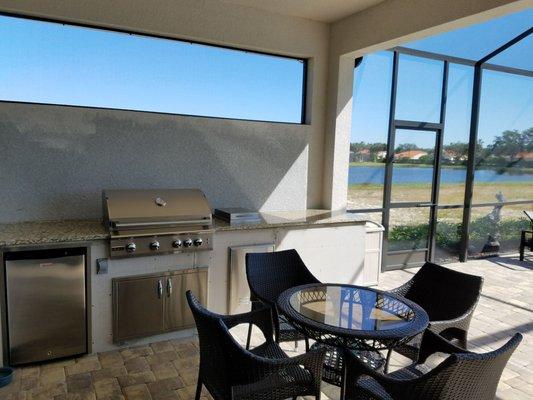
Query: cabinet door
{"points": [[177, 312], [138, 307], [196, 282], [239, 291], [175, 298]]}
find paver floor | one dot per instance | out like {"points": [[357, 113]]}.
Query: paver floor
{"points": [[168, 370]]}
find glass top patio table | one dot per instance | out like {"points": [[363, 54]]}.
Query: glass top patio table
{"points": [[359, 318]]}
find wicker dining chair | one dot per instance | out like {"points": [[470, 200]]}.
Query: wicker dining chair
{"points": [[270, 274], [230, 372], [449, 297], [461, 376]]}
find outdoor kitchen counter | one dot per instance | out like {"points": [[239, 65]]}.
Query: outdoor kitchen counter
{"points": [[42, 232], [279, 219]]}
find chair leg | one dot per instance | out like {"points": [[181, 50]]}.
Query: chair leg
{"points": [[306, 344], [198, 389], [249, 337], [522, 245], [387, 361], [462, 339], [296, 345]]}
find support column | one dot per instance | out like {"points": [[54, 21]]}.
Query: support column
{"points": [[338, 131]]}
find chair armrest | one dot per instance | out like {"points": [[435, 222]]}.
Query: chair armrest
{"points": [[356, 369], [462, 321], [434, 343], [262, 318]]}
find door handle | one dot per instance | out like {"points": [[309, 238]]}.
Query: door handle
{"points": [[169, 287], [159, 288]]}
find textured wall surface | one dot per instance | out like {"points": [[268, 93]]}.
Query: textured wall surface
{"points": [[54, 161]]}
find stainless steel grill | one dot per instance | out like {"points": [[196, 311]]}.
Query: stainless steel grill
{"points": [[157, 221]]}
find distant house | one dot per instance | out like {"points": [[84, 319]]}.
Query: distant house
{"points": [[411, 154], [524, 155], [360, 155], [453, 156], [380, 155]]}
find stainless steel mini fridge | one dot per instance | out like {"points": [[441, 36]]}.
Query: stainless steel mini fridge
{"points": [[46, 304]]}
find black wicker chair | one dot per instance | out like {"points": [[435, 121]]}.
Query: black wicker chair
{"points": [[229, 371], [461, 376], [270, 274], [449, 297]]}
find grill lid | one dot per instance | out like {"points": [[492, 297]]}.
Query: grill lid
{"points": [[128, 209]]}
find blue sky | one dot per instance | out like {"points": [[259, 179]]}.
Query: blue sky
{"points": [[507, 100], [53, 63]]}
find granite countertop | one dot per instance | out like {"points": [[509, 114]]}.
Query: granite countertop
{"points": [[41, 232], [310, 217], [37, 232]]}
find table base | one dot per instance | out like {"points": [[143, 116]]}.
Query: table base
{"points": [[334, 363]]}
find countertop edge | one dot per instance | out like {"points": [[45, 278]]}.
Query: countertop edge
{"points": [[35, 233]]}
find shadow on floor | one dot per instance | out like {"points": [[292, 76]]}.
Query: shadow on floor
{"points": [[511, 261]]}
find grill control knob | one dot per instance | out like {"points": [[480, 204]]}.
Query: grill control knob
{"points": [[131, 247], [187, 243], [198, 242], [154, 245], [176, 243]]}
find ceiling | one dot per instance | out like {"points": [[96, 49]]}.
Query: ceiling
{"points": [[318, 10]]}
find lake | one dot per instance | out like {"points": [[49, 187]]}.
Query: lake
{"points": [[376, 175]]}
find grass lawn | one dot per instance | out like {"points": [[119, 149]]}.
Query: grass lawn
{"points": [[371, 196]]}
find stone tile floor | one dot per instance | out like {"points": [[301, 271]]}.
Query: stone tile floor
{"points": [[505, 307], [168, 370]]}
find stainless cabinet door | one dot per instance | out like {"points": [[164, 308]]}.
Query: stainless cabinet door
{"points": [[46, 308], [177, 312], [138, 307], [196, 282], [174, 302], [239, 291]]}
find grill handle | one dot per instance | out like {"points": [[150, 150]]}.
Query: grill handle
{"points": [[133, 225]]}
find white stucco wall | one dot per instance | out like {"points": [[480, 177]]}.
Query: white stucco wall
{"points": [[55, 161]]}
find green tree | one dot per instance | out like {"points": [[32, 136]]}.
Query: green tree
{"points": [[406, 147], [508, 144], [358, 146], [459, 148]]}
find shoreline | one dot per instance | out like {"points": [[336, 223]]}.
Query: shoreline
{"points": [[519, 171], [425, 184]]}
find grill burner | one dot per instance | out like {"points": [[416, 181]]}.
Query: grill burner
{"points": [[147, 222]]}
